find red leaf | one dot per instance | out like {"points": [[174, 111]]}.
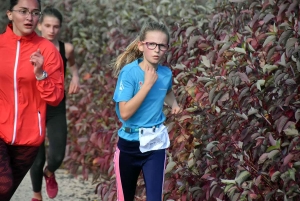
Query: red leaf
{"points": [[253, 196], [272, 141], [98, 161], [271, 171], [288, 158], [280, 123], [183, 197], [87, 76], [258, 180]]}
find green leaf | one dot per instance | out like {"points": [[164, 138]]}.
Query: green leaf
{"points": [[208, 156], [275, 28], [273, 153], [211, 94], [191, 160], [291, 131], [191, 109], [210, 145], [268, 68], [275, 176], [209, 83], [260, 83], [243, 116], [179, 66], [292, 173], [224, 47], [244, 77], [285, 35], [237, 1], [290, 82], [281, 122], [165, 2], [263, 158], [205, 61], [192, 41], [282, 60], [278, 78], [230, 63], [203, 79], [195, 189], [251, 48], [269, 39], [239, 50], [252, 111], [228, 186], [227, 181], [184, 117], [218, 110], [189, 30], [236, 197], [297, 115], [297, 164], [290, 43], [242, 177], [271, 148], [268, 17], [170, 166]]}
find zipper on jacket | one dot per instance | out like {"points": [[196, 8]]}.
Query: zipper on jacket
{"points": [[40, 125], [16, 92]]}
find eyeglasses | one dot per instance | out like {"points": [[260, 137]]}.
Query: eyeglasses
{"points": [[152, 46], [25, 12]]}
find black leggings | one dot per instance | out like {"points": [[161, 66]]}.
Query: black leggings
{"points": [[57, 136], [15, 162]]}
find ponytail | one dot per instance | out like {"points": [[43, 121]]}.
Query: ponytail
{"points": [[130, 54]]}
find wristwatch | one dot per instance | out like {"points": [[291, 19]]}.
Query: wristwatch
{"points": [[44, 75]]}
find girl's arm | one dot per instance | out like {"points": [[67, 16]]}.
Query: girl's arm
{"points": [[74, 84], [127, 109], [171, 101], [52, 88]]}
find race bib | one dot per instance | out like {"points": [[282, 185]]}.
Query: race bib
{"points": [[154, 138]]}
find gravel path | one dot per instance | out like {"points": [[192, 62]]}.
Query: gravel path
{"points": [[70, 189]]}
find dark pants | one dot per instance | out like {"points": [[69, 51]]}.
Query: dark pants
{"points": [[57, 135], [129, 162], [15, 161]]}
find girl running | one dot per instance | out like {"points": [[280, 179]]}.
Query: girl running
{"points": [[142, 88], [50, 25]]}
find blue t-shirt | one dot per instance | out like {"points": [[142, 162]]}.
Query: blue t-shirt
{"points": [[150, 112]]}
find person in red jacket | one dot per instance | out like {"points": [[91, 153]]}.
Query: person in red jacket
{"points": [[31, 76]]}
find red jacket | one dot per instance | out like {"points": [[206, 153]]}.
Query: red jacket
{"points": [[22, 98]]}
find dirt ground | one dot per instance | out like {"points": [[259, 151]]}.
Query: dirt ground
{"points": [[70, 189]]}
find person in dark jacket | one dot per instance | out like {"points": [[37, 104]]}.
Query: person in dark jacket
{"points": [[50, 24]]}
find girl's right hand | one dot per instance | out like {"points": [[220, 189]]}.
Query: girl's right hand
{"points": [[37, 60], [150, 76]]}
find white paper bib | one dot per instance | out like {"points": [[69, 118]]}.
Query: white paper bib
{"points": [[154, 139]]}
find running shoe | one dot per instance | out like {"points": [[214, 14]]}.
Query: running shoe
{"points": [[51, 185]]}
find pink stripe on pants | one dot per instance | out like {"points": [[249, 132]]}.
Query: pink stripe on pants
{"points": [[120, 195]]}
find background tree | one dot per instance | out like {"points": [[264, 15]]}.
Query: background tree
{"points": [[3, 18]]}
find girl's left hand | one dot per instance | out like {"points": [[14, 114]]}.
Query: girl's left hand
{"points": [[74, 85], [37, 60], [176, 109]]}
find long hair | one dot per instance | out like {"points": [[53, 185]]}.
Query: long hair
{"points": [[132, 51]]}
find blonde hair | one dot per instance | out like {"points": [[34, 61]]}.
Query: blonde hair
{"points": [[132, 51]]}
